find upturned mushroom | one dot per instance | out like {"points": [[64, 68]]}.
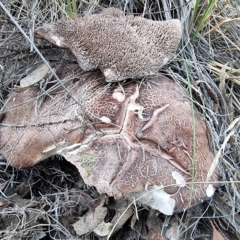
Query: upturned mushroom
{"points": [[120, 46], [137, 144]]}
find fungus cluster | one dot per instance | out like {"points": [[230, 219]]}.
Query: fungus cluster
{"points": [[134, 142]]}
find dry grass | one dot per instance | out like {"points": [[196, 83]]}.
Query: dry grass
{"points": [[40, 203]]}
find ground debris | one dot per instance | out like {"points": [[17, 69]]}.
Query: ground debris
{"points": [[48, 207]]}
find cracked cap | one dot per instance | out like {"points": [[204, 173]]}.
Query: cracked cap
{"points": [[119, 152]]}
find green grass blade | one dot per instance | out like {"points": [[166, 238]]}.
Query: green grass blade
{"points": [[196, 10], [193, 129], [72, 9], [205, 16]]}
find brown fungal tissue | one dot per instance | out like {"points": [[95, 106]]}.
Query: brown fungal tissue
{"points": [[137, 144], [120, 46]]}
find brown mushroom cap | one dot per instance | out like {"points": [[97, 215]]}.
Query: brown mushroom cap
{"points": [[121, 46], [138, 145]]}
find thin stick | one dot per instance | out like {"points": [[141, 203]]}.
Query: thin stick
{"points": [[37, 51]]}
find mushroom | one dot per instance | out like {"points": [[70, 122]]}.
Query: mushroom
{"points": [[140, 148], [120, 46]]}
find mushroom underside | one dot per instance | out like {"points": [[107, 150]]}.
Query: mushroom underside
{"points": [[137, 143], [120, 46]]}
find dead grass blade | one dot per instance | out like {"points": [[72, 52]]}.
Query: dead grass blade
{"points": [[233, 128], [216, 234]]}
